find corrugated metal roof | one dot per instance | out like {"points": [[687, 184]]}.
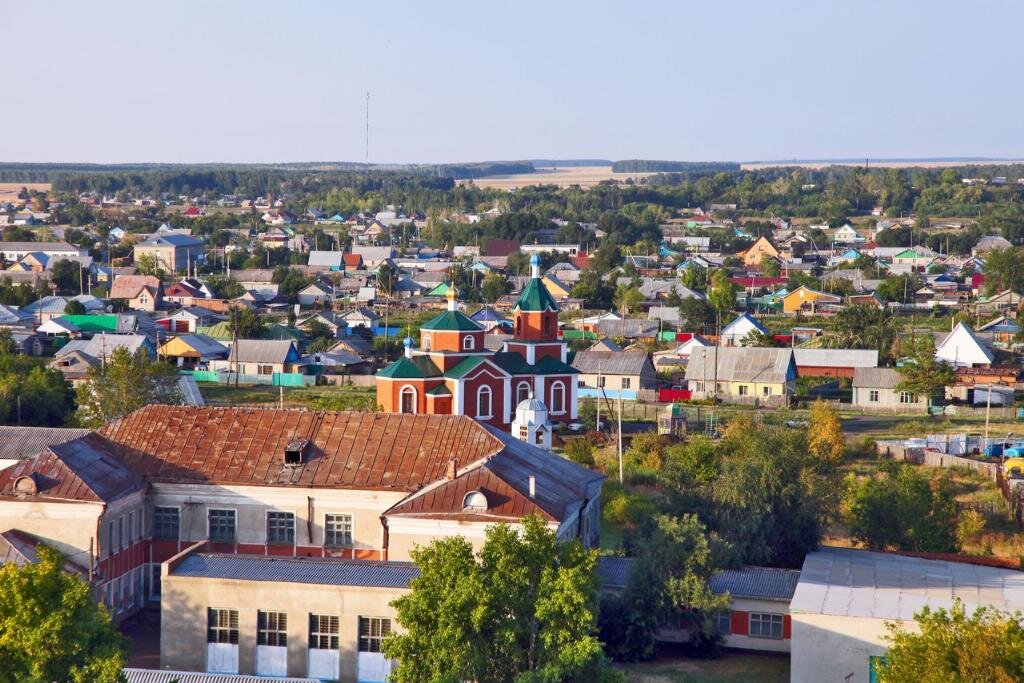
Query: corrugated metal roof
{"points": [[320, 571], [865, 584], [82, 470], [246, 445], [875, 378], [739, 364], [766, 583], [157, 676], [836, 358], [262, 351], [22, 442], [611, 362], [614, 571]]}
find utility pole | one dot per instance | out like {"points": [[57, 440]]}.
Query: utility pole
{"points": [[620, 436]]}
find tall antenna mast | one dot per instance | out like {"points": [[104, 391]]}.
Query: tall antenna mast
{"points": [[367, 130]]}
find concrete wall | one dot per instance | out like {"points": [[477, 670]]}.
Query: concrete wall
{"points": [[185, 600], [251, 504], [888, 401], [68, 527], [830, 648]]}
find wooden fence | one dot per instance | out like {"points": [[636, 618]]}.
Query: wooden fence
{"points": [[920, 456]]}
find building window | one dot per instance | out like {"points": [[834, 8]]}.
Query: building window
{"points": [[166, 523], [324, 632], [280, 527], [407, 400], [625, 382], [338, 531], [524, 433], [766, 391], [222, 626], [467, 343], [483, 402], [558, 398], [744, 390], [764, 625], [154, 584], [372, 631], [600, 381], [547, 326], [110, 537], [425, 342], [131, 528], [265, 369], [120, 533], [723, 622], [907, 397], [522, 392], [272, 629], [222, 526], [873, 395]]}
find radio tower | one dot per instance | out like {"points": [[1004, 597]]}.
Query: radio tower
{"points": [[367, 130]]}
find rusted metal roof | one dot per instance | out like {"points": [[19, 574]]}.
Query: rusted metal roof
{"points": [[245, 446], [82, 470], [447, 499]]}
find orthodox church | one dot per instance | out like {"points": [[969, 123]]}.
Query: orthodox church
{"points": [[452, 373]]}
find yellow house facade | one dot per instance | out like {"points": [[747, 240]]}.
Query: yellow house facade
{"points": [[804, 297]]}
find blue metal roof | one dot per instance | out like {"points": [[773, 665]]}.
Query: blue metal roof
{"points": [[766, 583], [322, 571]]}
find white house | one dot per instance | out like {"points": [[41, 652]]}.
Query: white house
{"points": [[962, 349], [734, 332]]}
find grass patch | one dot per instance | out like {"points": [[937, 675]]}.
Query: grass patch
{"points": [[736, 666], [294, 397]]}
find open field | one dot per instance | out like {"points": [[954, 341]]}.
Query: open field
{"points": [[584, 176], [754, 166], [735, 666], [9, 191]]}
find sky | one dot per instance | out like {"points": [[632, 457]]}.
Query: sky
{"points": [[719, 80]]}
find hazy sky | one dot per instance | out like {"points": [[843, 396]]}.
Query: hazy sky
{"points": [[459, 81]]}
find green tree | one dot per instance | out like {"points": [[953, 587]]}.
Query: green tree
{"points": [[224, 287], [770, 267], [627, 298], [124, 383], [862, 327], [668, 582], [580, 451], [898, 288], [901, 509], [524, 609], [987, 645], [1004, 269], [146, 264], [31, 394], [495, 286], [923, 373], [246, 323], [387, 279], [698, 313], [757, 338], [52, 628], [722, 294], [74, 307], [289, 282], [594, 290], [67, 276]]}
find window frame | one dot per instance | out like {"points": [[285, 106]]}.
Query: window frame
{"points": [[271, 628], [524, 395], [230, 631], [766, 621], [873, 395], [724, 617], [468, 343], [158, 524], [351, 530], [319, 635], [290, 533], [371, 640], [209, 525], [411, 391], [480, 392], [558, 408], [625, 382]]}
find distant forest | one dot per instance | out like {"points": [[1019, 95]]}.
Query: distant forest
{"points": [[654, 166]]}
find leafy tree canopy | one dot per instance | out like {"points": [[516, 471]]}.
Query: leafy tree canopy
{"points": [[124, 383], [523, 609], [52, 628]]}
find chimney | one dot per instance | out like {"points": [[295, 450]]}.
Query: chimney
{"points": [[533, 486], [453, 467]]}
